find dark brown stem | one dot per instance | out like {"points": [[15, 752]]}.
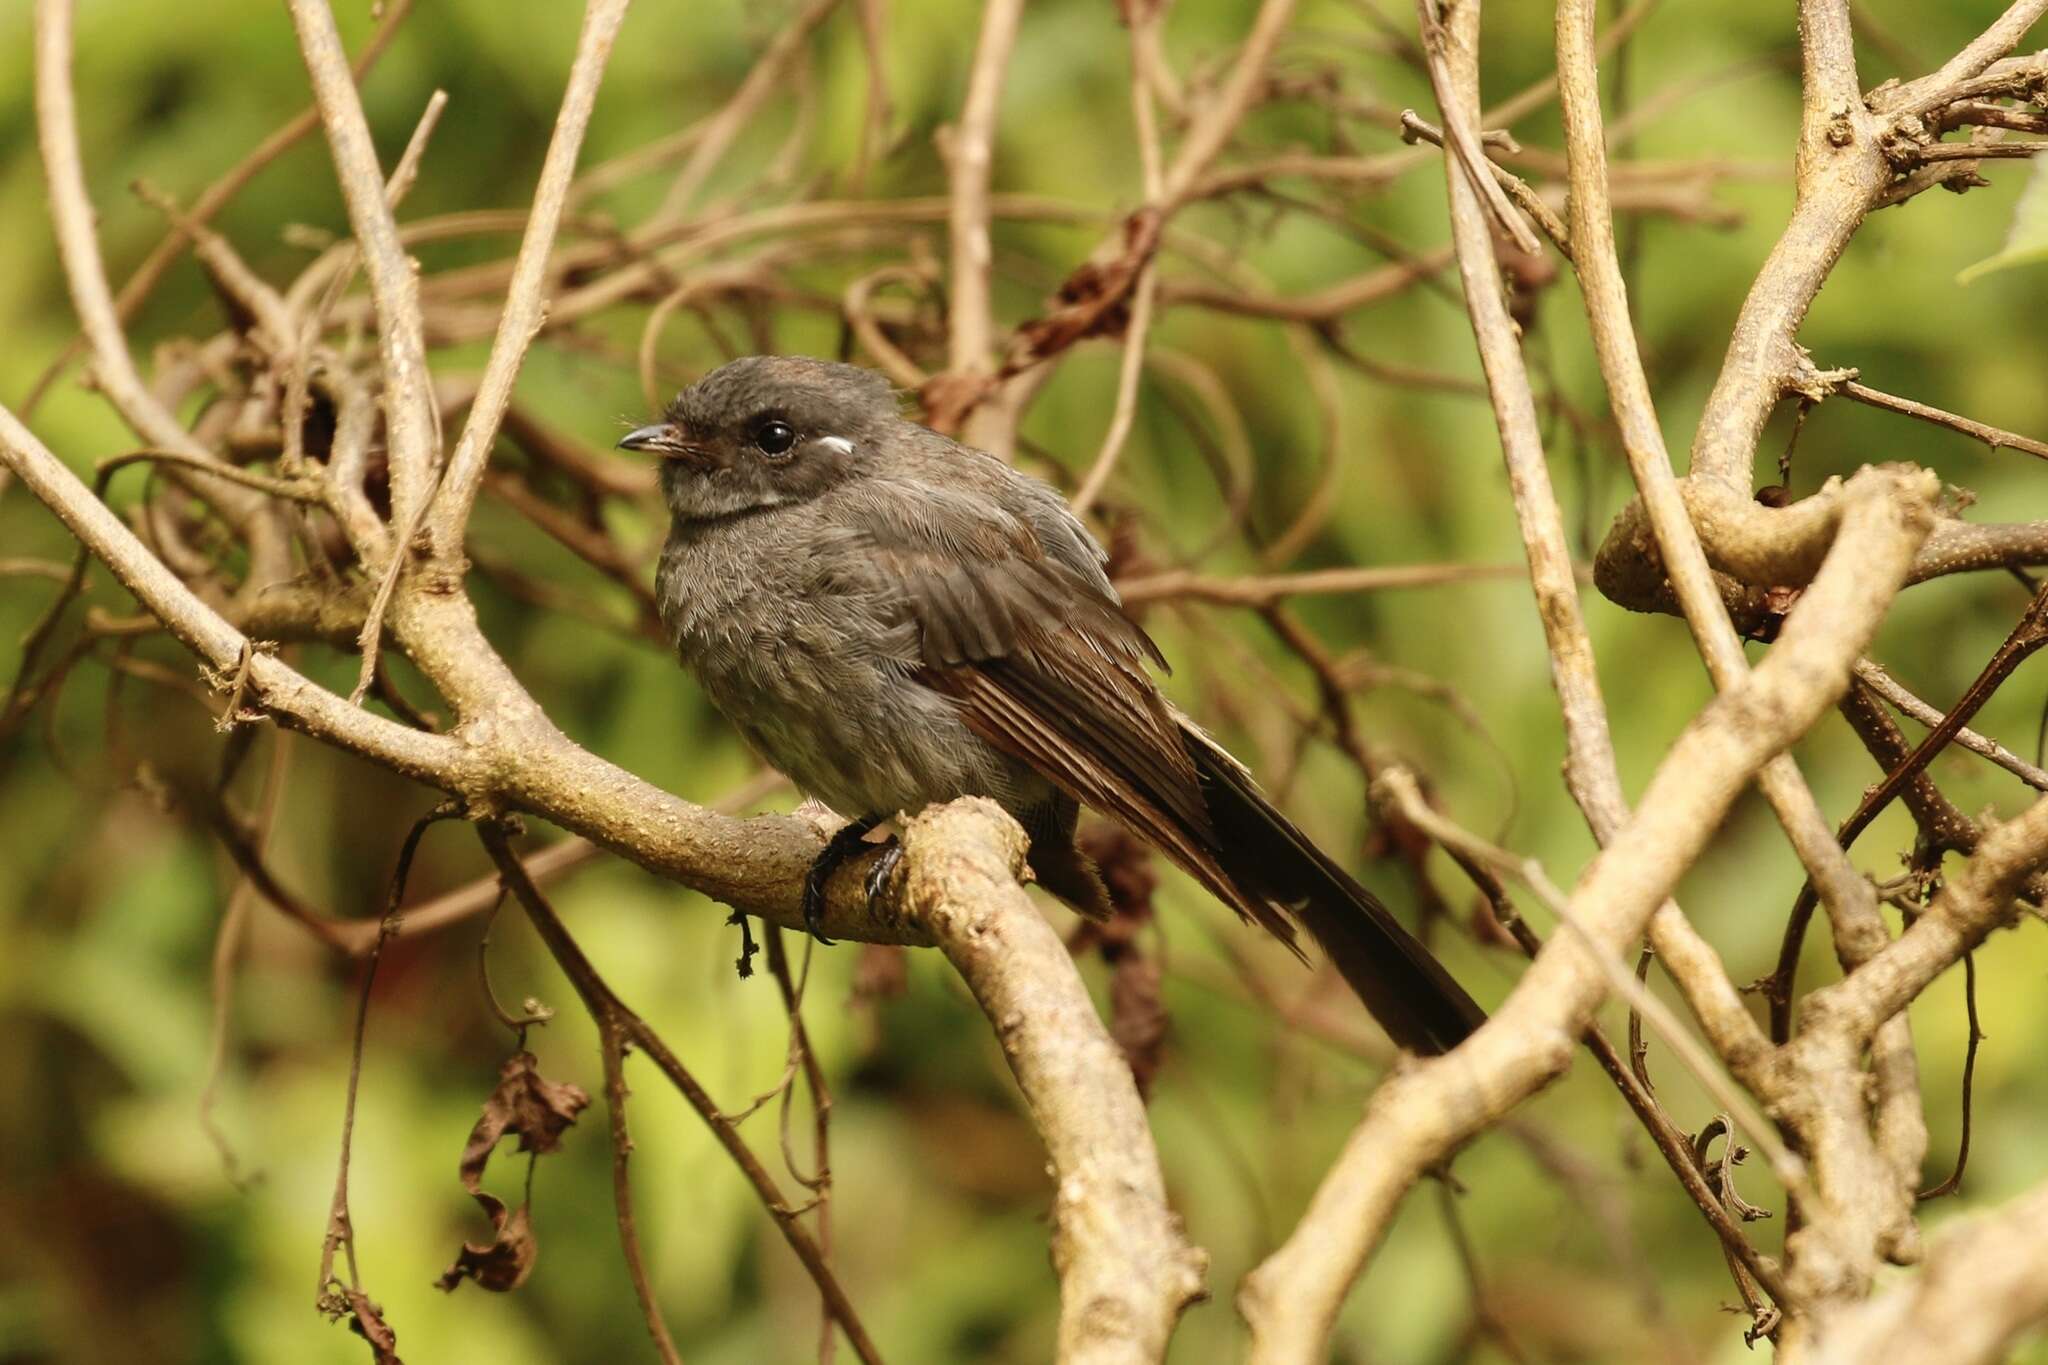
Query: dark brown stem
{"points": [[618, 1028], [1955, 1177], [2028, 636], [329, 1297]]}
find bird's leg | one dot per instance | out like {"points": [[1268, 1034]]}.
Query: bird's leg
{"points": [[849, 841]]}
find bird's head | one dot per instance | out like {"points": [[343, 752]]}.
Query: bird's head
{"points": [[762, 431]]}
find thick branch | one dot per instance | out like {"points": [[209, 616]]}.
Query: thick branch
{"points": [[1421, 1115], [1126, 1270], [1986, 1282]]}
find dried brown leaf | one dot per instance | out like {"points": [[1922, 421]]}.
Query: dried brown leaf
{"points": [[1137, 1010], [881, 972], [525, 1103], [1137, 1017], [1091, 301], [536, 1110], [1126, 867], [501, 1264]]}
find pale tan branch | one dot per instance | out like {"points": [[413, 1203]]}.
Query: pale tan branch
{"points": [[1258, 590], [1995, 437], [1596, 259], [1888, 687], [507, 756], [525, 303], [1985, 1282], [1592, 775], [714, 137], [1973, 902], [1126, 1269], [71, 214], [1217, 122], [409, 421], [1994, 42], [1419, 1116], [970, 152], [280, 689]]}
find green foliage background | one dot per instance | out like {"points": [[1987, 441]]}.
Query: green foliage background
{"points": [[120, 1235]]}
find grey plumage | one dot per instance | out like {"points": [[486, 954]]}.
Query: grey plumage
{"points": [[894, 619]]}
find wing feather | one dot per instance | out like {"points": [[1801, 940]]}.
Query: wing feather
{"points": [[1045, 665]]}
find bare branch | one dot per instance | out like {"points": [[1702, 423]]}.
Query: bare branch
{"points": [[1986, 1281], [1991, 436], [1888, 687], [525, 304], [1126, 1270], [2001, 38], [618, 1027], [1260, 590], [1419, 1116], [715, 136], [215, 196], [757, 865], [969, 153], [410, 424]]}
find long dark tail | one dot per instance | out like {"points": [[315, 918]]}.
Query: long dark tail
{"points": [[1407, 990]]}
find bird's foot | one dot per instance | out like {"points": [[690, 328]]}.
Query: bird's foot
{"points": [[850, 840], [884, 868]]}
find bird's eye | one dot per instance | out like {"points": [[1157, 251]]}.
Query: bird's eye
{"points": [[774, 438]]}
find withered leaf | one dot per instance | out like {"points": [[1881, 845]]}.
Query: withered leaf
{"points": [[881, 972], [1091, 301], [501, 1264], [526, 1103], [536, 1110], [1137, 1017], [1137, 1011], [1127, 873]]}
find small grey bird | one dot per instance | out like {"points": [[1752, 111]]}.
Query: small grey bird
{"points": [[894, 619]]}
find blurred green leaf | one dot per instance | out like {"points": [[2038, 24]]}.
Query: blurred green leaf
{"points": [[2026, 242]]}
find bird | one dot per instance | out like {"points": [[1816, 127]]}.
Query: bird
{"points": [[895, 619]]}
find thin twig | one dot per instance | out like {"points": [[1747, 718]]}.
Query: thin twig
{"points": [[409, 422], [970, 154], [1995, 437], [340, 1230], [619, 1026], [1888, 687], [1399, 783], [525, 303], [1954, 1181]]}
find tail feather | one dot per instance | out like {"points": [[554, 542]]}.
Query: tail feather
{"points": [[1406, 989]]}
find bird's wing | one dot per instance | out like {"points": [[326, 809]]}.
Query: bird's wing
{"points": [[1043, 663], [1041, 659]]}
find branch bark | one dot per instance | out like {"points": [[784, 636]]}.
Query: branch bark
{"points": [[409, 416], [1126, 1269], [525, 304], [1421, 1115]]}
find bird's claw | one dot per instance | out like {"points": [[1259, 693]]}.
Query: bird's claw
{"points": [[814, 900], [884, 868]]}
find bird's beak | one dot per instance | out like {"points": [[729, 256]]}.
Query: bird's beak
{"points": [[648, 438], [664, 440]]}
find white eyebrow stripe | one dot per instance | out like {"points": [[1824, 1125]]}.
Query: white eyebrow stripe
{"points": [[838, 443]]}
